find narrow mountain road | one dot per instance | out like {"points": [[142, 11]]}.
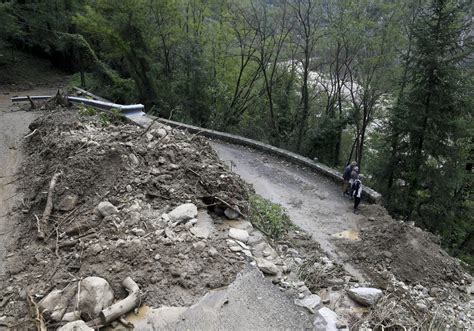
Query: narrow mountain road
{"points": [[314, 203], [13, 127]]}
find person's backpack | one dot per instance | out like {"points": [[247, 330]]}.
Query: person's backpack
{"points": [[355, 186]]}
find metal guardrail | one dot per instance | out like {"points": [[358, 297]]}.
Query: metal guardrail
{"points": [[104, 105]]}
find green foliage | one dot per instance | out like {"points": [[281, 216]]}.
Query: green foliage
{"points": [[87, 111], [270, 218]]}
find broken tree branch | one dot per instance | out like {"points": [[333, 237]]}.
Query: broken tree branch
{"points": [[124, 306], [49, 202], [30, 134], [32, 104], [39, 321]]}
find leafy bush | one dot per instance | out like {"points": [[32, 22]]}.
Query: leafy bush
{"points": [[270, 218]]}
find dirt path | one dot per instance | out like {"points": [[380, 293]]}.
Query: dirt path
{"points": [[13, 127], [314, 202]]}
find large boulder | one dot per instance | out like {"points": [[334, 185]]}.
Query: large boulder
{"points": [[183, 213], [75, 326], [267, 267], [95, 295], [366, 296], [105, 209], [240, 235]]}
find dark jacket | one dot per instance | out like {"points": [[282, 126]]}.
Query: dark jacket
{"points": [[347, 173]]}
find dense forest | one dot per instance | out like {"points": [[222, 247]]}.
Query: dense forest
{"points": [[385, 82]]}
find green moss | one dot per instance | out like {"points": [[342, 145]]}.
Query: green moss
{"points": [[270, 218]]}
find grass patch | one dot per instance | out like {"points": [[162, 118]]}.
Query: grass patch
{"points": [[270, 218]]}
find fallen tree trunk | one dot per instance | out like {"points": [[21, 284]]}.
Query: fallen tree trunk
{"points": [[124, 306]]}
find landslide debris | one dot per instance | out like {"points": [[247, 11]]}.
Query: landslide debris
{"points": [[114, 213]]}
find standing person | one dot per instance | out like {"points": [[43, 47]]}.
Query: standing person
{"points": [[346, 176], [354, 176], [357, 192]]}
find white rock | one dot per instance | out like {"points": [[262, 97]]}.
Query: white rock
{"points": [[105, 208], [366, 296], [235, 248], [75, 326], [161, 132], [310, 302], [183, 213], [232, 213], [238, 234], [54, 304], [95, 295], [267, 267], [72, 316], [199, 246], [326, 320], [213, 251]]}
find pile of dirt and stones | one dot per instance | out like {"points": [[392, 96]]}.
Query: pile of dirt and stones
{"points": [[415, 273]]}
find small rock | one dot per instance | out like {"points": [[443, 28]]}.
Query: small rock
{"points": [[238, 234], [232, 213], [138, 232], [68, 202], [387, 254], [95, 295], [266, 266], [247, 252], [310, 302], [235, 248], [256, 237], [213, 252], [200, 245], [105, 208], [75, 326], [72, 316], [157, 257], [183, 213], [366, 296], [326, 320], [300, 295], [129, 188], [161, 132]]}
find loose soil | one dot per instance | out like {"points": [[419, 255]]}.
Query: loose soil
{"points": [[144, 175]]}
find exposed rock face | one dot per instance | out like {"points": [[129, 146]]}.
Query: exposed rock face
{"points": [[267, 267], [366, 296], [75, 326], [95, 295], [240, 235], [105, 208], [183, 213]]}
